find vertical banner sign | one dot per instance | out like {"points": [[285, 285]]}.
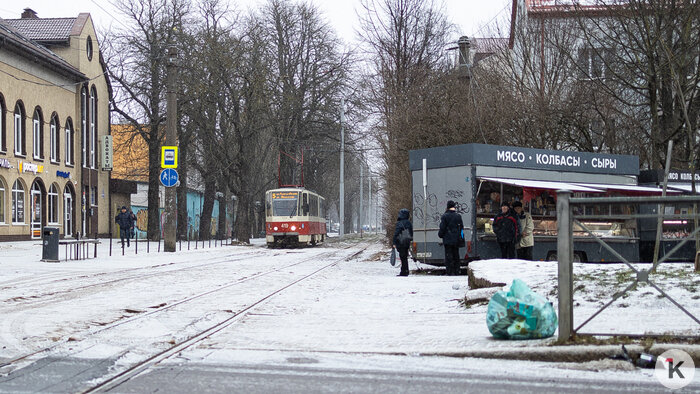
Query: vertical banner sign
{"points": [[107, 152]]}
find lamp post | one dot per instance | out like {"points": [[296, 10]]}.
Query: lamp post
{"points": [[341, 230]]}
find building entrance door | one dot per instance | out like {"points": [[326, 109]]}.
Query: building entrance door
{"points": [[68, 213], [36, 211]]}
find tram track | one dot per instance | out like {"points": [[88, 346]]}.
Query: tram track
{"points": [[21, 301], [142, 366], [87, 334]]}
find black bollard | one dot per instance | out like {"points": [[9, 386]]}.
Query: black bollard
{"points": [[136, 240], [110, 245]]}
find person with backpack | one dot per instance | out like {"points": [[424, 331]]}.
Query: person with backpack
{"points": [[403, 235], [123, 219], [451, 232], [506, 226]]}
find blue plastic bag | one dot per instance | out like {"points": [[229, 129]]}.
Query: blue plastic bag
{"points": [[520, 313]]}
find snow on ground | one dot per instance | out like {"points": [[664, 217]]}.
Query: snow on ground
{"points": [[358, 307], [640, 311]]}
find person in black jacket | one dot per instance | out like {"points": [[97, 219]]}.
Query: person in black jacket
{"points": [[507, 228], [123, 219], [451, 227], [402, 247]]}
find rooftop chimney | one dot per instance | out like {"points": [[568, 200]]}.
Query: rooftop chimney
{"points": [[29, 14]]}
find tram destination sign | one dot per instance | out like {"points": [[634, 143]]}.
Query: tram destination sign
{"points": [[285, 195], [517, 157]]}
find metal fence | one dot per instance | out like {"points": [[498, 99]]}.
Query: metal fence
{"points": [[566, 218]]}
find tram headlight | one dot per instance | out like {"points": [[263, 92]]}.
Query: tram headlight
{"points": [[294, 228], [275, 228]]}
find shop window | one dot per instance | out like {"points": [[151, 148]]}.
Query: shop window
{"points": [[38, 134], [54, 139], [93, 196], [2, 201], [83, 125], [17, 203], [53, 204], [93, 126], [69, 142], [20, 130]]}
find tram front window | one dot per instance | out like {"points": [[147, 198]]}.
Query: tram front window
{"points": [[287, 207]]}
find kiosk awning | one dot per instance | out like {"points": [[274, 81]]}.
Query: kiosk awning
{"points": [[628, 189], [551, 185], [686, 187]]}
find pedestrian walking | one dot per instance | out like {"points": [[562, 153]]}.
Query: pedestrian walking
{"points": [[123, 219], [403, 235], [451, 232], [507, 228], [527, 225]]}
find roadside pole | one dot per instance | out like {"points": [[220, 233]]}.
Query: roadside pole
{"points": [[341, 213], [565, 256], [171, 140]]}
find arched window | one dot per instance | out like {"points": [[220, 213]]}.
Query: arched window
{"points": [[84, 125], [2, 200], [69, 142], [17, 203], [55, 139], [3, 136], [38, 128], [20, 129], [53, 204], [93, 126]]}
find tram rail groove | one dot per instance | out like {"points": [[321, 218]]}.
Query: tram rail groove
{"points": [[88, 333], [126, 375]]}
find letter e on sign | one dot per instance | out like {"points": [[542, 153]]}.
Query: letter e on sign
{"points": [[168, 157]]}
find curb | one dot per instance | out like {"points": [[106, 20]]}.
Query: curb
{"points": [[565, 354]]}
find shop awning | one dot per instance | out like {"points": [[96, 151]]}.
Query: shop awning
{"points": [[685, 187], [626, 189], [551, 185]]}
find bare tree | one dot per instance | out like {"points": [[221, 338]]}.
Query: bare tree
{"points": [[137, 60], [405, 40]]}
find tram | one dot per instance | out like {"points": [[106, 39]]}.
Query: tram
{"points": [[294, 217]]}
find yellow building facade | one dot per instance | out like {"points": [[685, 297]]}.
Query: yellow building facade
{"points": [[55, 148]]}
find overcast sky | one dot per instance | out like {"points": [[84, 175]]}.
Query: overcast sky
{"points": [[469, 15]]}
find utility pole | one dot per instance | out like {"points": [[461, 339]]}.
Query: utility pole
{"points": [[369, 203], [171, 140], [341, 230], [361, 196]]}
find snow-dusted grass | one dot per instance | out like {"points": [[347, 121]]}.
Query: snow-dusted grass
{"points": [[642, 310]]}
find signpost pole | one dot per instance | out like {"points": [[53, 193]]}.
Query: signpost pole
{"points": [[171, 139]]}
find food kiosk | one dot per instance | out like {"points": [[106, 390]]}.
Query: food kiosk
{"points": [[479, 177]]}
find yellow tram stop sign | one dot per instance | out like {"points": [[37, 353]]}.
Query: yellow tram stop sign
{"points": [[168, 157]]}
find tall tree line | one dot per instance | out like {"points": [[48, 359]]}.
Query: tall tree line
{"points": [[251, 85]]}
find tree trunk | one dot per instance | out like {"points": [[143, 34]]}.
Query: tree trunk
{"points": [[223, 219], [243, 218], [182, 214], [207, 208], [153, 189]]}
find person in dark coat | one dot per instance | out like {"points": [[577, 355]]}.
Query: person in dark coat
{"points": [[507, 228], [125, 222], [451, 228], [403, 223]]}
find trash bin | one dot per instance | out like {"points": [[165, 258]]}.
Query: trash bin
{"points": [[50, 244]]}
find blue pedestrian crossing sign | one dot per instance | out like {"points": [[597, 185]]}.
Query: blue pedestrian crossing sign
{"points": [[169, 177]]}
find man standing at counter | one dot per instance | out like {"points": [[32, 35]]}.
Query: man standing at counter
{"points": [[506, 226], [527, 240]]}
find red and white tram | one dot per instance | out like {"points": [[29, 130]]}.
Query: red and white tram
{"points": [[294, 217]]}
